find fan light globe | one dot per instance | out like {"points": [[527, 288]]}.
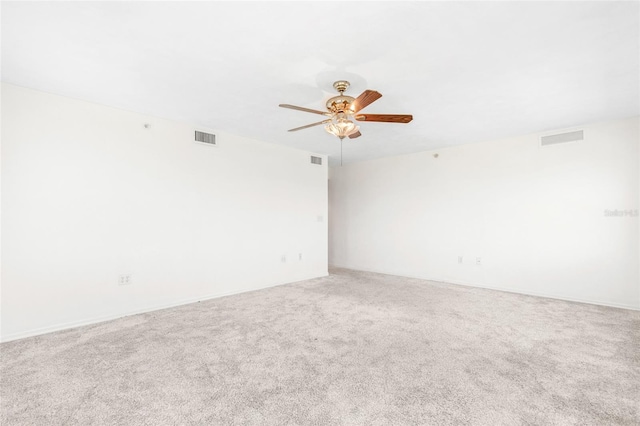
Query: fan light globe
{"points": [[341, 126]]}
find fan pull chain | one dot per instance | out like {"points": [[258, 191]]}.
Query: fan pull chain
{"points": [[341, 139]]}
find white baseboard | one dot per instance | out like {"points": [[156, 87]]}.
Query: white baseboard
{"points": [[505, 289], [110, 317]]}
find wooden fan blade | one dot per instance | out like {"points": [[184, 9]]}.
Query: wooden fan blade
{"points": [[355, 135], [366, 98], [385, 118], [310, 125], [304, 109]]}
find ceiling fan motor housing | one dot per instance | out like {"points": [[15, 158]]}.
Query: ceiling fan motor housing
{"points": [[340, 103]]}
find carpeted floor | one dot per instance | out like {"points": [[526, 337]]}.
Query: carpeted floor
{"points": [[353, 348]]}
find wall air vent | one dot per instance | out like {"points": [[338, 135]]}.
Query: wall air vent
{"points": [[316, 160], [207, 138], [562, 138]]}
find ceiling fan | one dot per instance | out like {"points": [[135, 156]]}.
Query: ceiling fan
{"points": [[342, 108]]}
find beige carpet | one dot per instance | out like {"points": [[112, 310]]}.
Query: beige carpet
{"points": [[350, 349]]}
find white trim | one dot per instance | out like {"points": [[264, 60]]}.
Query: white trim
{"points": [[560, 132], [104, 318], [507, 290]]}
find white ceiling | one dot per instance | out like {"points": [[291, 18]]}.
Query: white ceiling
{"points": [[467, 71]]}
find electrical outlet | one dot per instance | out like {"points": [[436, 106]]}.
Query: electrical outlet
{"points": [[284, 258], [459, 259], [299, 256], [124, 279], [478, 261]]}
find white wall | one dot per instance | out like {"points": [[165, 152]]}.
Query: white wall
{"points": [[534, 215], [88, 193]]}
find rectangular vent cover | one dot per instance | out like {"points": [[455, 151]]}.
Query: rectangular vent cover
{"points": [[316, 160], [207, 138], [562, 138]]}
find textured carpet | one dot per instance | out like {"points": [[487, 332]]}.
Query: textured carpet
{"points": [[353, 348]]}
